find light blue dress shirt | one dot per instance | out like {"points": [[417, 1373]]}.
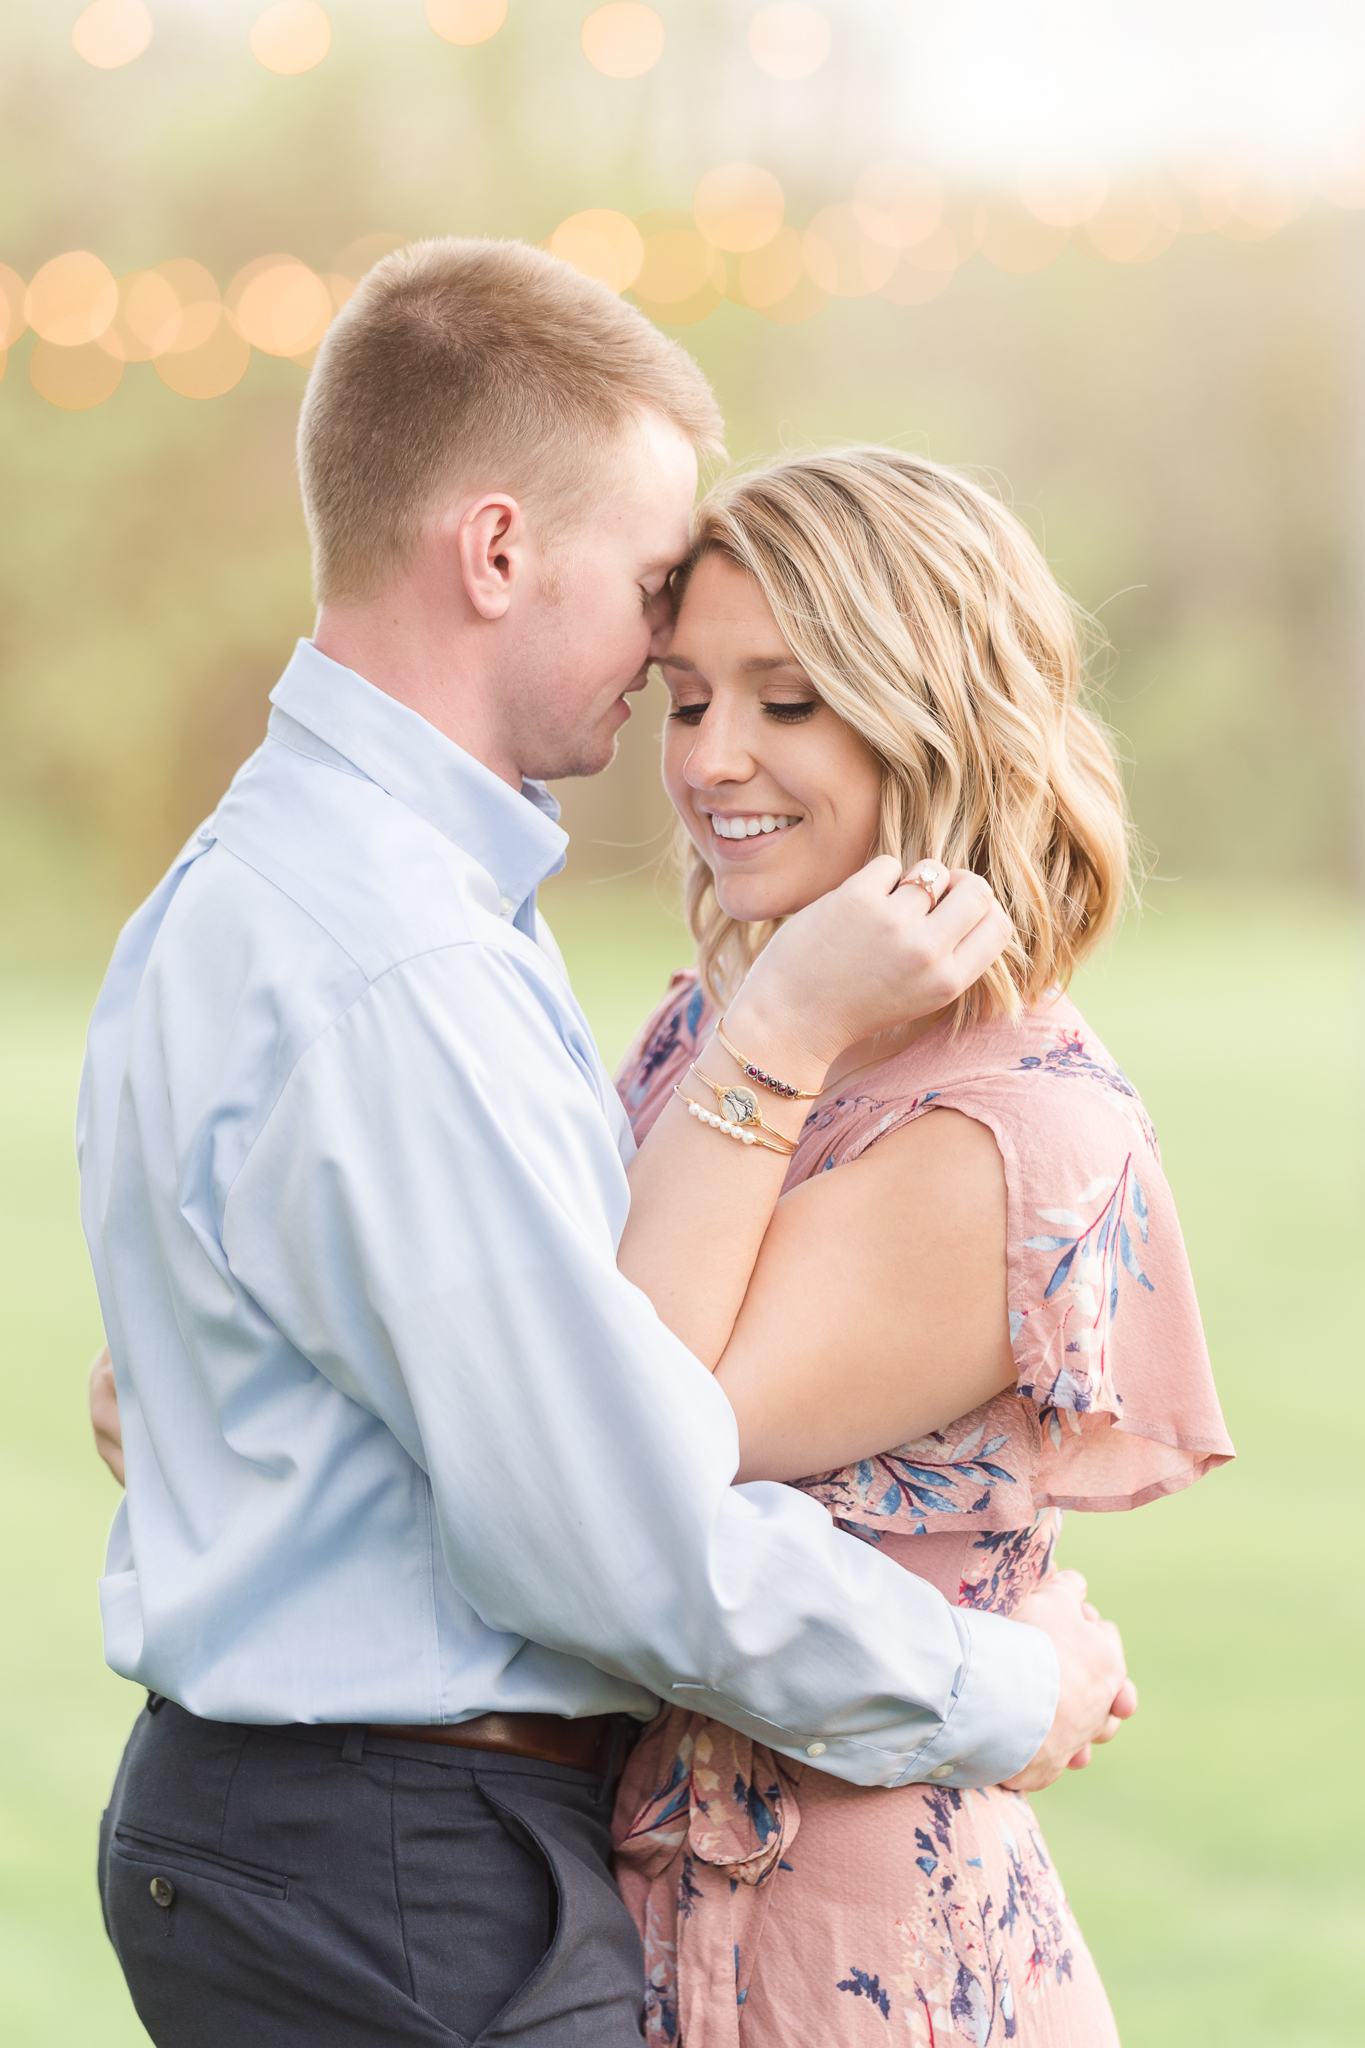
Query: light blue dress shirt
{"points": [[402, 1445]]}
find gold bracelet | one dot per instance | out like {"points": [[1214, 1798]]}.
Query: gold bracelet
{"points": [[766, 1080], [733, 1130], [739, 1106]]}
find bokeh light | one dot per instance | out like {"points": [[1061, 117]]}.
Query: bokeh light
{"points": [[73, 378], [365, 251], [601, 244], [1063, 202], [623, 39], [147, 320], [111, 33], [1012, 238], [843, 260], [466, 22], [739, 206], [279, 305], [1133, 225], [766, 275], [911, 285], [13, 293], [682, 277], [897, 204], [200, 304], [789, 40], [291, 37], [210, 369], [72, 299]]}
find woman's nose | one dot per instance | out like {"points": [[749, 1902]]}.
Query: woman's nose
{"points": [[719, 754]]}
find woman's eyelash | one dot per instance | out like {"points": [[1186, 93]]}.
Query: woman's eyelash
{"points": [[785, 714]]}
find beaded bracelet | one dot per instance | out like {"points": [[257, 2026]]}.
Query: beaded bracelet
{"points": [[732, 1130], [739, 1106], [765, 1080]]}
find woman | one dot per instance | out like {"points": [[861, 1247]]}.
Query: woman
{"points": [[983, 1313]]}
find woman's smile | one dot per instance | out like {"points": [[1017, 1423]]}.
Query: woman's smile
{"points": [[779, 795], [737, 830]]}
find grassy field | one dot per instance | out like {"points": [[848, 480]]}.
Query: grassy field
{"points": [[1213, 1854]]}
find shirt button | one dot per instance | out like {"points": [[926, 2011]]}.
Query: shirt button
{"points": [[943, 1771], [163, 1891], [815, 1749], [505, 906]]}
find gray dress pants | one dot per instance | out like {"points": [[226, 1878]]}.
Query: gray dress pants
{"points": [[322, 1888]]}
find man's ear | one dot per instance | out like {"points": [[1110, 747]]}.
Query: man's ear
{"points": [[490, 549]]}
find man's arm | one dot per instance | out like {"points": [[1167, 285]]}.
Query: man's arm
{"points": [[430, 1218]]}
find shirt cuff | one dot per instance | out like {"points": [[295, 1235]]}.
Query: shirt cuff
{"points": [[1004, 1706]]}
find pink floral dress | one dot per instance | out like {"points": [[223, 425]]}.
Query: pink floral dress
{"points": [[781, 1907]]}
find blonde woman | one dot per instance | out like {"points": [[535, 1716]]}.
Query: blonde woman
{"points": [[973, 1306]]}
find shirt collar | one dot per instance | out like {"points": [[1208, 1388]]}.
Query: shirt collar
{"points": [[515, 837]]}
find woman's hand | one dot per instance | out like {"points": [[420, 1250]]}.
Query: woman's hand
{"points": [[104, 1415], [862, 959]]}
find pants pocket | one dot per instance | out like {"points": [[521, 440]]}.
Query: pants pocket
{"points": [[161, 1854]]}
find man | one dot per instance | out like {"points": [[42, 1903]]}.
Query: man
{"points": [[424, 1502]]}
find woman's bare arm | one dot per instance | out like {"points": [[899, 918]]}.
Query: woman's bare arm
{"points": [[877, 1307], [858, 961]]}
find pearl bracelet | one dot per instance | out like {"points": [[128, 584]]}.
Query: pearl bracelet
{"points": [[784, 1148]]}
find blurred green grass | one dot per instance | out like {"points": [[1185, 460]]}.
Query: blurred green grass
{"points": [[1213, 1853]]}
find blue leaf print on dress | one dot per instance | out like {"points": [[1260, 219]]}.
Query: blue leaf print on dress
{"points": [[864, 1986], [1084, 1284], [1140, 1208], [1063, 1267]]}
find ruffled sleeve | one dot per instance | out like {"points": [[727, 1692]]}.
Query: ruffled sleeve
{"points": [[1118, 1401], [663, 1051]]}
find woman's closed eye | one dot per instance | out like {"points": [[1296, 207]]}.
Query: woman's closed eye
{"points": [[783, 713]]}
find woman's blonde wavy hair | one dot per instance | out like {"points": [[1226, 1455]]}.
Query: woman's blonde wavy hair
{"points": [[925, 616]]}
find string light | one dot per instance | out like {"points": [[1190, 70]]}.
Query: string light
{"points": [[789, 40], [897, 204], [72, 299], [739, 207], [1013, 239], [895, 238], [13, 318], [73, 378], [291, 37], [843, 260], [147, 320], [601, 244], [466, 22], [623, 39], [200, 303], [1133, 225], [279, 305], [112, 33], [212, 367]]}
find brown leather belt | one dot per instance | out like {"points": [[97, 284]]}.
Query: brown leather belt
{"points": [[584, 1745]]}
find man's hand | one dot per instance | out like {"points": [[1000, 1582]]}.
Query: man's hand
{"points": [[1096, 1695], [104, 1418]]}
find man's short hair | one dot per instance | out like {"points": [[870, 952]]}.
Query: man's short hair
{"points": [[478, 364]]}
